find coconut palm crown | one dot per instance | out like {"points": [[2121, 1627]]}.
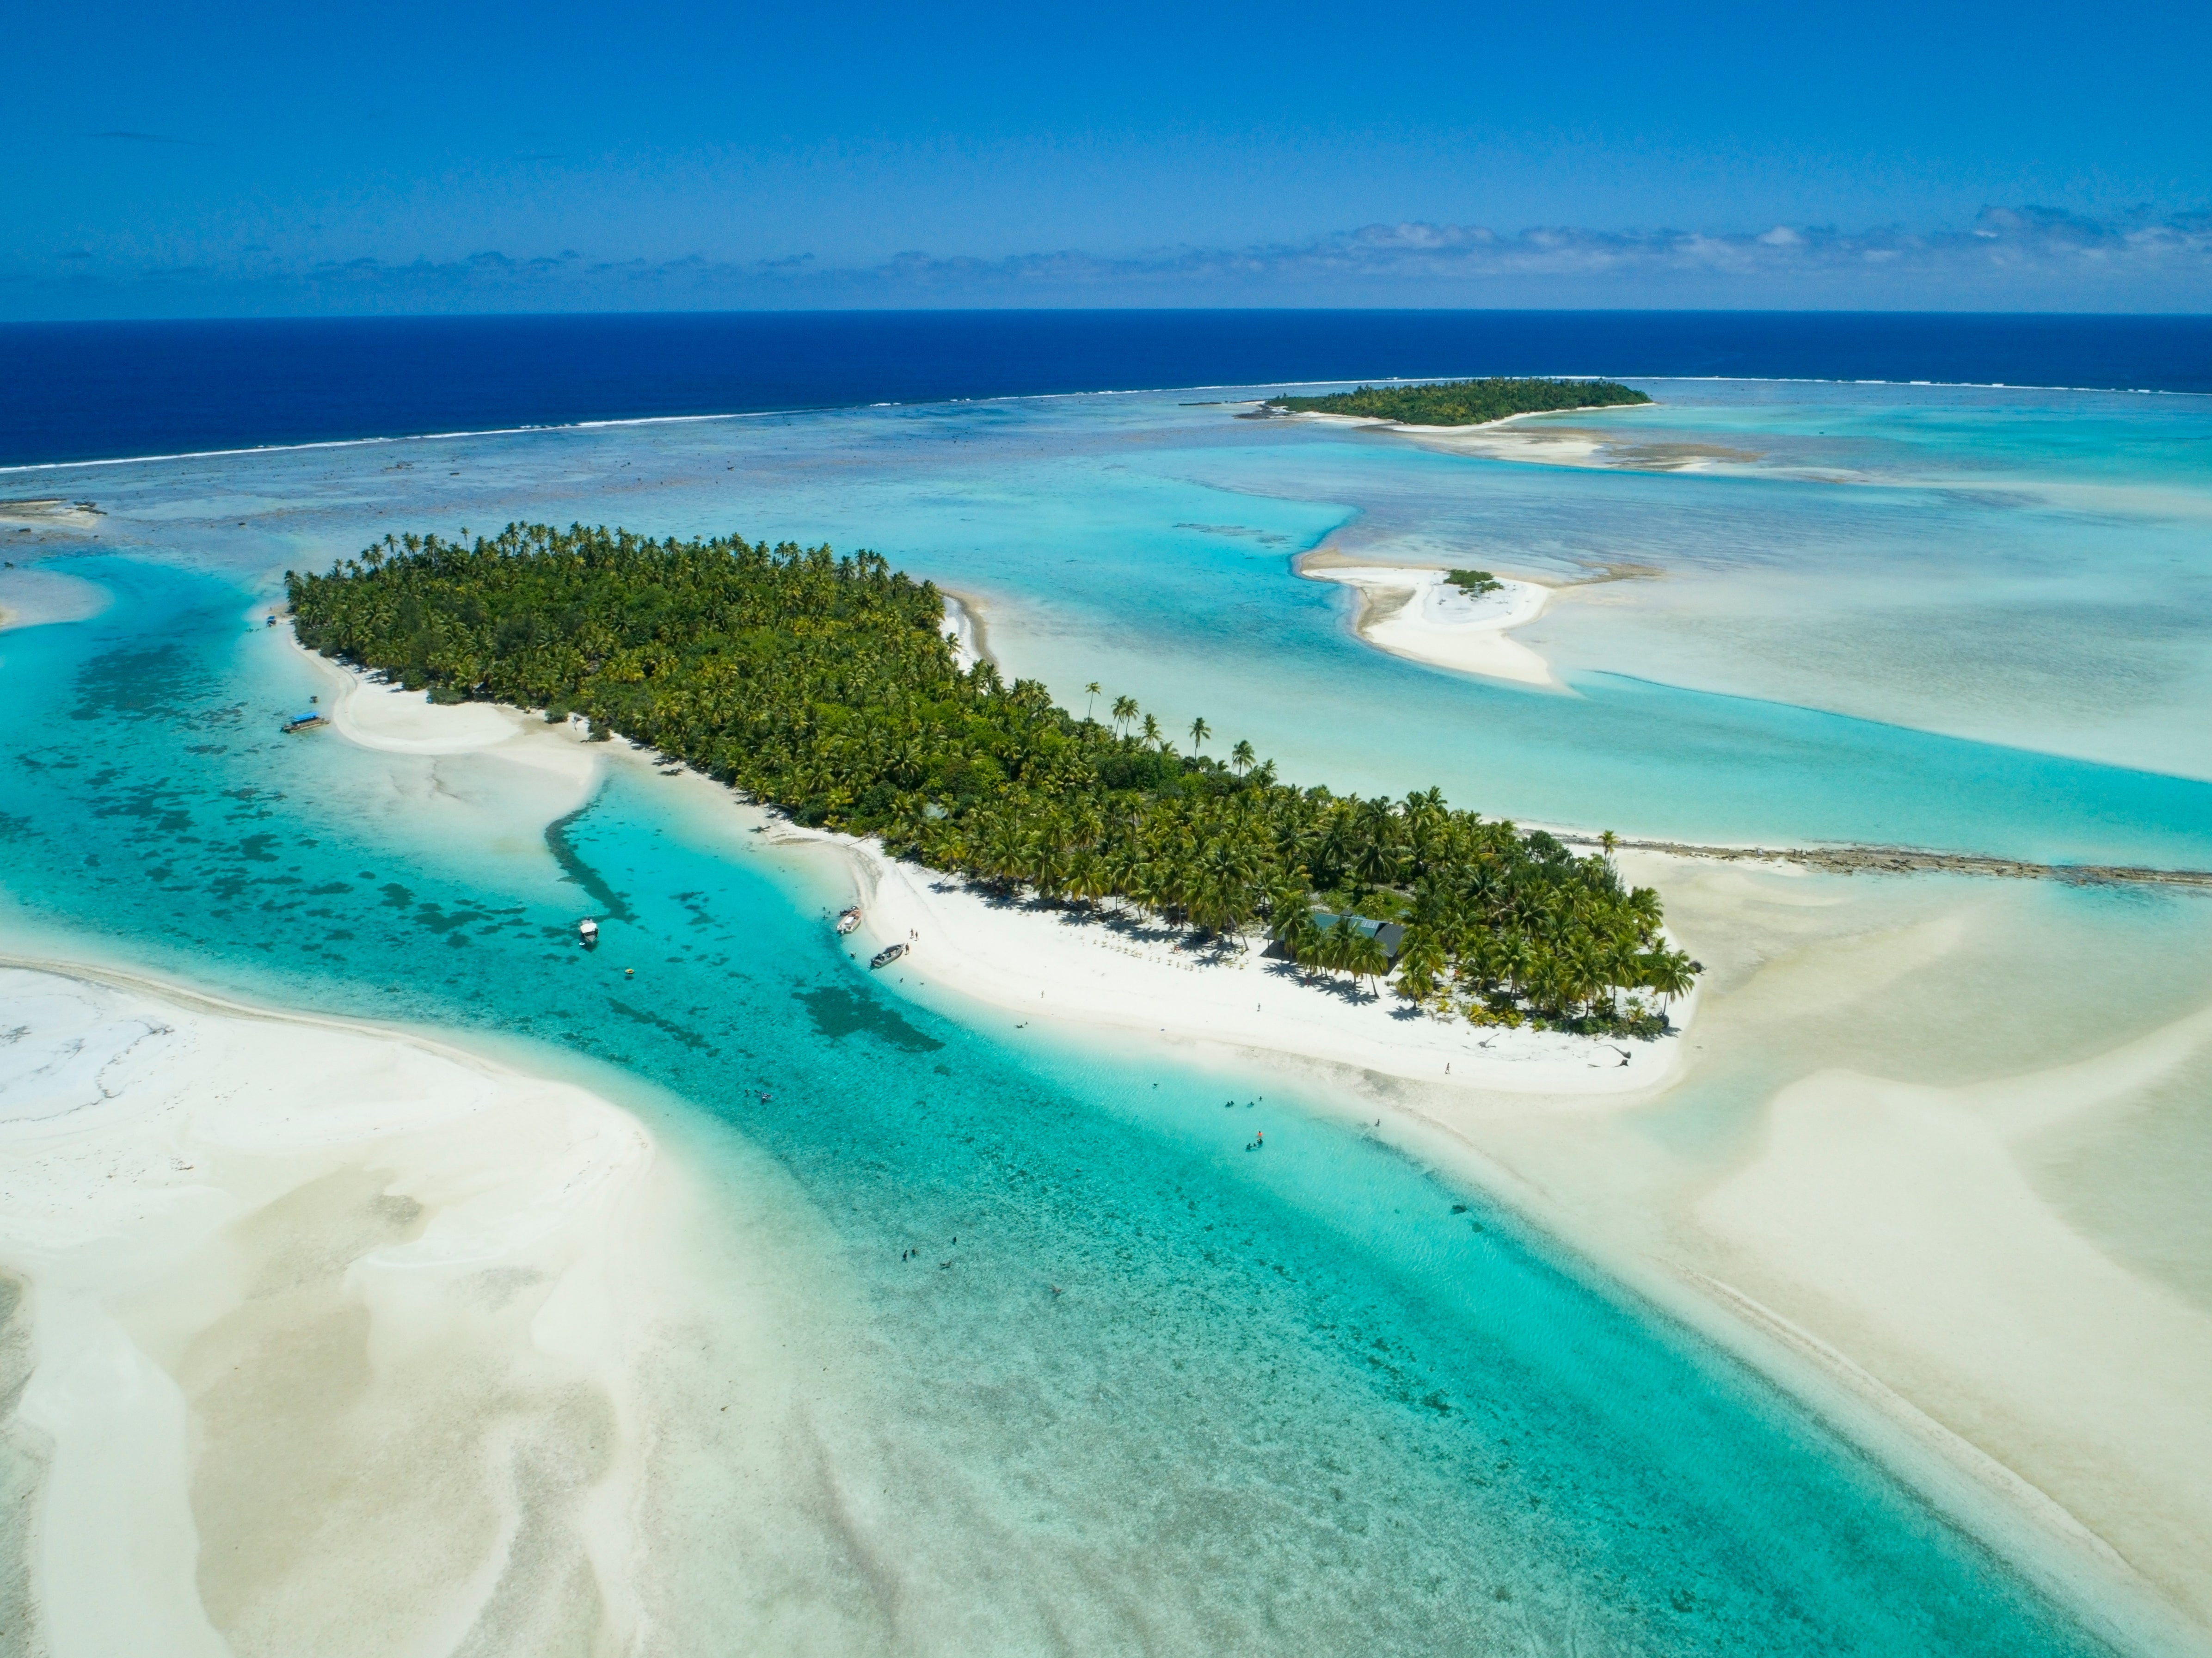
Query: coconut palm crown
{"points": [[823, 685]]}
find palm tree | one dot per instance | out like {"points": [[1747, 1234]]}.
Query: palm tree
{"points": [[1086, 878], [1049, 859], [1421, 958], [1335, 951], [1123, 867], [1200, 731], [1288, 906], [1091, 692], [1377, 861], [1124, 710], [1334, 851], [1365, 956], [1006, 851], [1152, 730], [1669, 973], [1159, 885], [1242, 756]]}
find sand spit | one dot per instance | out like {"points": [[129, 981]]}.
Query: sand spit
{"points": [[1417, 613], [1847, 1182], [1903, 1218], [1907, 861], [1538, 439], [334, 1338], [318, 1338]]}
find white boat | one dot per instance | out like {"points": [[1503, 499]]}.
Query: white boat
{"points": [[849, 921], [888, 954], [588, 931]]}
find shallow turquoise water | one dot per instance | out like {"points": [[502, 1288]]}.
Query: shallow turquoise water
{"points": [[1313, 1401], [1998, 638], [1300, 1400]]}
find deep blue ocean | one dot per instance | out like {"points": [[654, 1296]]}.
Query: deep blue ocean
{"points": [[94, 391]]}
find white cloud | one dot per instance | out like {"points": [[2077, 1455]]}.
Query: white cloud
{"points": [[2010, 258]]}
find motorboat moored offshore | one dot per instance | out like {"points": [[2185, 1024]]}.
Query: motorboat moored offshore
{"points": [[588, 931]]}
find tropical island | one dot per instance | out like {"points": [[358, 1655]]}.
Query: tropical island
{"points": [[825, 686], [1463, 403]]}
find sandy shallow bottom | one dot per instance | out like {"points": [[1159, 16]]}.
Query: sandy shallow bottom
{"points": [[1862, 1206], [31, 598], [1825, 1173], [302, 1298], [1894, 1161], [1888, 1161], [331, 1340], [1894, 1170]]}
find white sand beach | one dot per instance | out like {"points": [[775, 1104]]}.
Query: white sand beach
{"points": [[1417, 613], [332, 1340], [1900, 1222], [335, 1341], [964, 626], [1100, 970]]}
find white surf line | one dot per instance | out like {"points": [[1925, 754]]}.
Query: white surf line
{"points": [[400, 437], [1049, 396]]}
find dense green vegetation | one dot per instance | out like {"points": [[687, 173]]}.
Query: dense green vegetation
{"points": [[826, 686], [1464, 402], [1473, 583]]}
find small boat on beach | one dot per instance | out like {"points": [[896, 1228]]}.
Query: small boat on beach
{"points": [[848, 920], [588, 931], [302, 722], [887, 955]]}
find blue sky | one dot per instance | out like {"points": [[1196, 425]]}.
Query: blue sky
{"points": [[409, 156]]}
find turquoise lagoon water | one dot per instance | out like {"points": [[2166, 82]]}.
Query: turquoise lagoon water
{"points": [[1313, 1401], [1304, 1399], [1956, 587]]}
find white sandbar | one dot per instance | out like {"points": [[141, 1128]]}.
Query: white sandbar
{"points": [[1417, 613], [31, 596], [323, 1319]]}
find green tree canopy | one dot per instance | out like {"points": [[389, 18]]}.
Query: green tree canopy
{"points": [[825, 686], [1464, 403]]}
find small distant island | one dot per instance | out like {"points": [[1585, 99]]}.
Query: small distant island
{"points": [[1463, 403], [826, 686]]}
